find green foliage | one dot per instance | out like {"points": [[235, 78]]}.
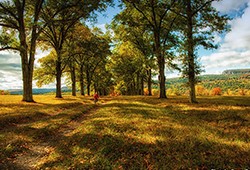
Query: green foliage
{"points": [[229, 84], [46, 73], [127, 65]]}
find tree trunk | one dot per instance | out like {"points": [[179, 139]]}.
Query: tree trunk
{"points": [[27, 65], [58, 77], [142, 86], [149, 82], [27, 81], [138, 83], [161, 65], [88, 81], [191, 62], [81, 80], [73, 80]]}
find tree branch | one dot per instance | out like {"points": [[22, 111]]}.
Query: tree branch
{"points": [[201, 7], [9, 48]]}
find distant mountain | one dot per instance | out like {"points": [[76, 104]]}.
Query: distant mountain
{"points": [[38, 91], [237, 71]]}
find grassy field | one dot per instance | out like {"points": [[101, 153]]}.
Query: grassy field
{"points": [[124, 133]]}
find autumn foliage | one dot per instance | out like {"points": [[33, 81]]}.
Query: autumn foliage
{"points": [[216, 91]]}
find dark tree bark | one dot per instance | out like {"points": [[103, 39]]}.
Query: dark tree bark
{"points": [[73, 80], [88, 78], [142, 86], [81, 80], [191, 62], [58, 78], [149, 72], [161, 65]]}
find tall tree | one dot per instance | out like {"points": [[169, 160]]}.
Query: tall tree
{"points": [[128, 29], [159, 20], [46, 72], [127, 64], [22, 18], [57, 30], [201, 21]]}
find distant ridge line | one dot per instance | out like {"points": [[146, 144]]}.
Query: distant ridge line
{"points": [[236, 71]]}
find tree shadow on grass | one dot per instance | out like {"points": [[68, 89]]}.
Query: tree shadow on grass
{"points": [[97, 151], [33, 125], [171, 147]]}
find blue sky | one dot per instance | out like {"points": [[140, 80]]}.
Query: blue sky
{"points": [[233, 53]]}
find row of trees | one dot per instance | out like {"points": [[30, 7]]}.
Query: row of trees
{"points": [[26, 22], [169, 31], [148, 35], [83, 59]]}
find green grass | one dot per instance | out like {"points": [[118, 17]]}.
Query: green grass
{"points": [[126, 132]]}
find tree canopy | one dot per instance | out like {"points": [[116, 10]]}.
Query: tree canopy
{"points": [[143, 39]]}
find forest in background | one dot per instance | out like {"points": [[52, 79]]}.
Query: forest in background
{"points": [[144, 39], [215, 84]]}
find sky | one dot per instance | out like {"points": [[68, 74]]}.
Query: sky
{"points": [[233, 52]]}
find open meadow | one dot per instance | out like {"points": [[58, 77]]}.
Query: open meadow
{"points": [[124, 132]]}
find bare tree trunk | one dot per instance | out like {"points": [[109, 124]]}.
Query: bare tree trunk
{"points": [[27, 82], [88, 81], [27, 66], [191, 62], [142, 86], [58, 77], [138, 83], [161, 65], [73, 80], [81, 80], [149, 82]]}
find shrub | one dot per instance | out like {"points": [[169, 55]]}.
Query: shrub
{"points": [[201, 90], [146, 92], [169, 91], [242, 91], [155, 92], [4, 92], [216, 91], [229, 92]]}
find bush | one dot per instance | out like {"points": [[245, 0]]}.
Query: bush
{"points": [[4, 92], [242, 92], [201, 90], [228, 92], [145, 90], [169, 91], [216, 91], [155, 92]]}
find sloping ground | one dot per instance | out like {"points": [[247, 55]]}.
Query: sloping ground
{"points": [[126, 133]]}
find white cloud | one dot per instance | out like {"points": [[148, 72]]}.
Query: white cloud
{"points": [[11, 71], [234, 51], [10, 80], [239, 36], [229, 5]]}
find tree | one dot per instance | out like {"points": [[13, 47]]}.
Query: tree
{"points": [[127, 64], [200, 20], [22, 19], [56, 32], [27, 19], [127, 29], [98, 49], [159, 19], [46, 73]]}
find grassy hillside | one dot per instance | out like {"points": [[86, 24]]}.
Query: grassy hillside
{"points": [[236, 84], [124, 133]]}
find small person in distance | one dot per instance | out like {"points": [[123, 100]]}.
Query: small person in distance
{"points": [[96, 97]]}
